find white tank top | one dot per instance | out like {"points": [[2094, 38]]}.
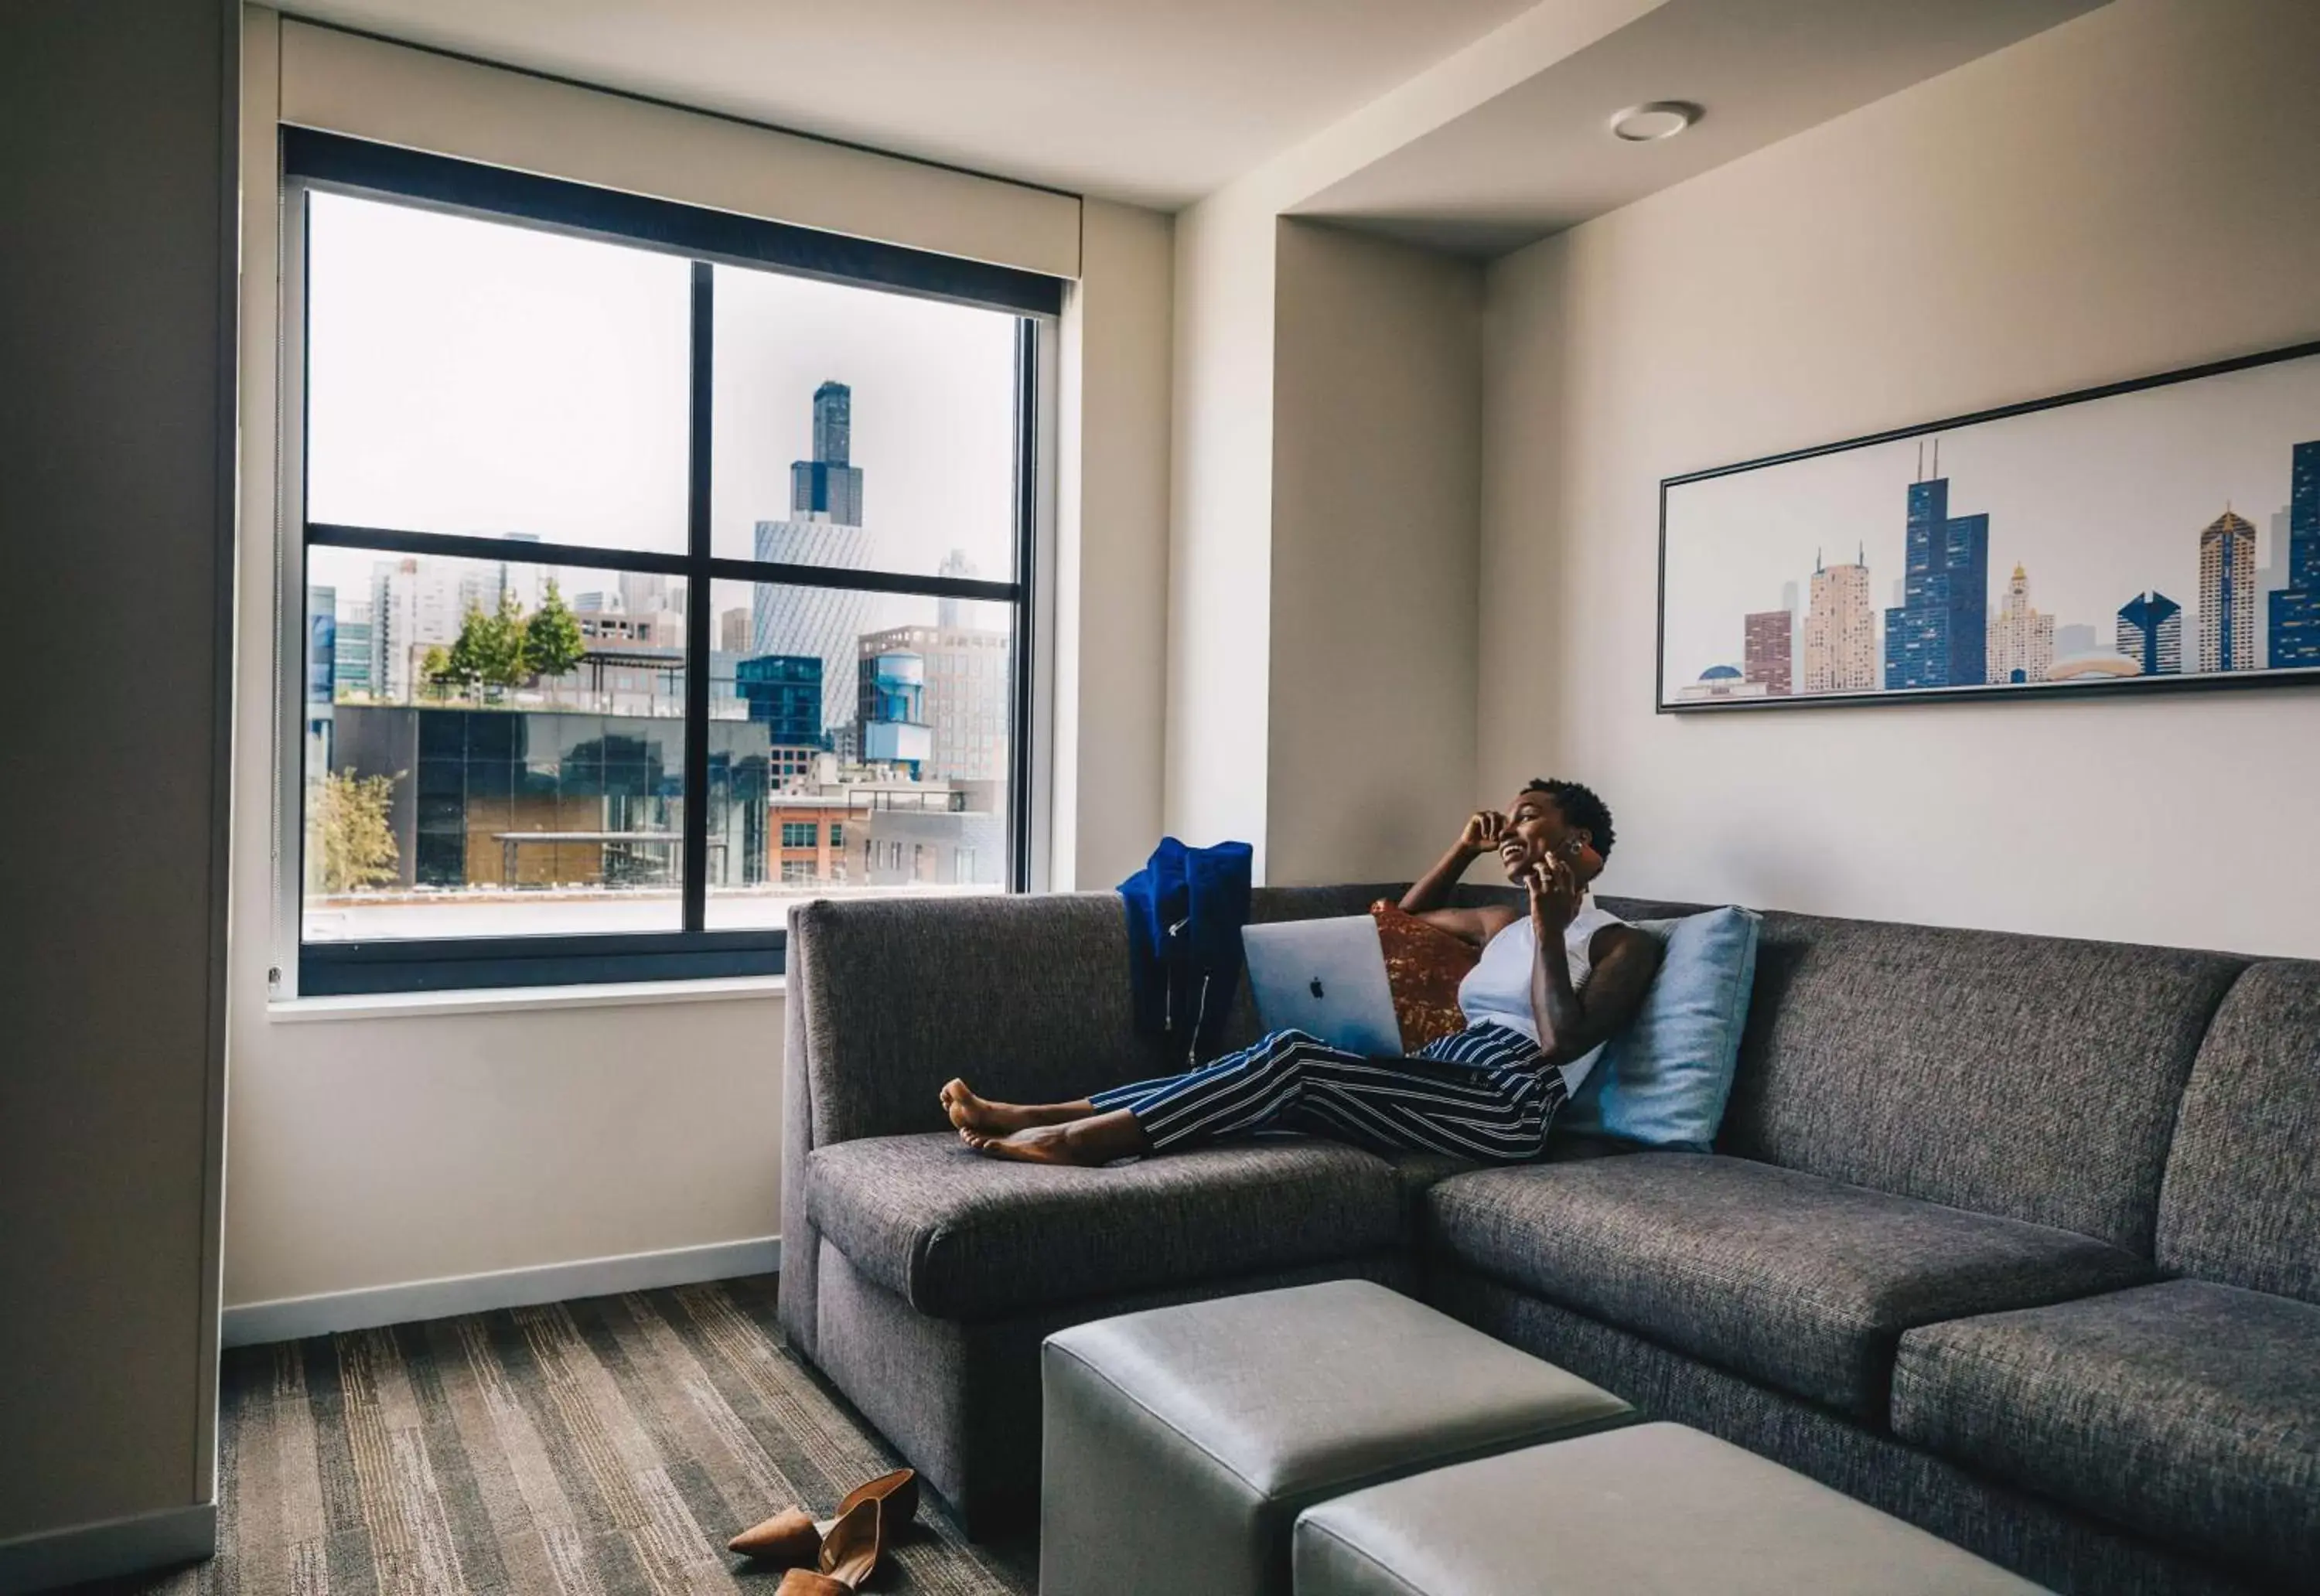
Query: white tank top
{"points": [[1497, 990]]}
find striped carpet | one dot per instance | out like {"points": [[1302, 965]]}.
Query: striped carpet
{"points": [[587, 1448]]}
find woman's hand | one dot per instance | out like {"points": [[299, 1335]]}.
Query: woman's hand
{"points": [[1485, 829], [1554, 892], [1429, 897]]}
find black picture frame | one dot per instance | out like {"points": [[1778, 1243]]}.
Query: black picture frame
{"points": [[2038, 693]]}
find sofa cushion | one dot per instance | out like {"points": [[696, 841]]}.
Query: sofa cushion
{"points": [[2026, 1077], [2185, 1410], [1801, 1283], [2242, 1201], [1424, 964], [1664, 1082], [963, 1236]]}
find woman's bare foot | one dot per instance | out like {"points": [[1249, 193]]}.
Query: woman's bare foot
{"points": [[1037, 1143], [1084, 1142], [972, 1113]]}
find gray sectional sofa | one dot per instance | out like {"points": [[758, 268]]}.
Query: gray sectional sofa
{"points": [[2017, 1239]]}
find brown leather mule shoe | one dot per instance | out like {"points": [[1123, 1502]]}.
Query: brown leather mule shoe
{"points": [[849, 1554], [791, 1540]]}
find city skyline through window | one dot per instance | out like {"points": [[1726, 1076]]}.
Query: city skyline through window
{"points": [[644, 598]]}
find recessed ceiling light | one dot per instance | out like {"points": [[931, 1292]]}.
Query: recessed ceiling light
{"points": [[1658, 119]]}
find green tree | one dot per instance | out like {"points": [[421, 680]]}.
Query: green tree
{"points": [[352, 831], [552, 644], [435, 667], [489, 650]]}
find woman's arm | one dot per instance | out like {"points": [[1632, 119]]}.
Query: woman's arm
{"points": [[1485, 829], [1572, 1023]]}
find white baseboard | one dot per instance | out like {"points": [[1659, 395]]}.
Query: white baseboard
{"points": [[291, 1319], [157, 1539]]}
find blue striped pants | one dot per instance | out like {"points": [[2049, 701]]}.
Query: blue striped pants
{"points": [[1486, 1092]]}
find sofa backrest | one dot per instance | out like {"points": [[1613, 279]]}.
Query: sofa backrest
{"points": [[1027, 998], [2030, 1077], [2242, 1200]]}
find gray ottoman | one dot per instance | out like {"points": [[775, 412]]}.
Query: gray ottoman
{"points": [[1653, 1508], [1180, 1443]]}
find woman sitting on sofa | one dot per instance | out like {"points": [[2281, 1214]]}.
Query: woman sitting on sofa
{"points": [[1552, 985]]}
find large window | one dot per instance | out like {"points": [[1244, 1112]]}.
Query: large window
{"points": [[661, 570]]}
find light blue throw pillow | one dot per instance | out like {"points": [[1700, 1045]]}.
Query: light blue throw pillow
{"points": [[1663, 1081]]}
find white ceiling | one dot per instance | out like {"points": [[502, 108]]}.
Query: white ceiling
{"points": [[1154, 102], [1538, 156]]}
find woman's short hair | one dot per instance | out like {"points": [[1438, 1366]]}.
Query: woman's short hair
{"points": [[1580, 807]]}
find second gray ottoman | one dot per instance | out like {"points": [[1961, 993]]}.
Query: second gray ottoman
{"points": [[1655, 1508], [1180, 1445]]}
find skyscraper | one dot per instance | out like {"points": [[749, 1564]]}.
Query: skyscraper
{"points": [[826, 487], [2078, 638], [525, 582], [2295, 631], [643, 592], [322, 644], [1840, 631], [733, 632], [1792, 600], [416, 604], [351, 669], [823, 528], [2021, 639], [1938, 635], [2151, 634], [2227, 594], [1767, 659], [951, 611]]}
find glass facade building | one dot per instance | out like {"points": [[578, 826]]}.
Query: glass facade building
{"points": [[827, 487], [891, 708], [2293, 630], [783, 692], [2151, 634], [1939, 634], [481, 798]]}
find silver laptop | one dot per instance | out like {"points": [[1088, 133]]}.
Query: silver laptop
{"points": [[1325, 977]]}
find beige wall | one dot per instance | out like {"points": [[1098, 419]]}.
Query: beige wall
{"points": [[1320, 607], [1377, 403], [2130, 192], [376, 1152], [115, 494], [1112, 564], [380, 1152], [1219, 546], [1233, 731]]}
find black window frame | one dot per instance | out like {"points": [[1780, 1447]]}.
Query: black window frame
{"points": [[313, 160]]}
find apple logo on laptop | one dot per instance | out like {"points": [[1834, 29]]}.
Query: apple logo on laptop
{"points": [[1316, 987]]}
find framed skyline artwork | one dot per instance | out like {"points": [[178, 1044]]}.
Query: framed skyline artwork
{"points": [[2156, 534]]}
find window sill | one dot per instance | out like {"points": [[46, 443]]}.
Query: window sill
{"points": [[521, 999]]}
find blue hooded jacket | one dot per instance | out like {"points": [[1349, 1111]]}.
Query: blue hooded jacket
{"points": [[1185, 911]]}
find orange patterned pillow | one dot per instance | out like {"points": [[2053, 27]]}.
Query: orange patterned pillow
{"points": [[1423, 965]]}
